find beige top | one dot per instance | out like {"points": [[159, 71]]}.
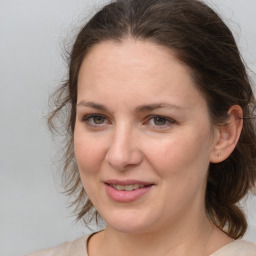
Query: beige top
{"points": [[78, 247]]}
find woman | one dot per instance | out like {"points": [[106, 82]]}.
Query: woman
{"points": [[161, 132]]}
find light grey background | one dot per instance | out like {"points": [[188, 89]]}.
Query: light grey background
{"points": [[33, 212]]}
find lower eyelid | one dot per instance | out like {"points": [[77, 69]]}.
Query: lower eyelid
{"points": [[169, 121], [87, 120]]}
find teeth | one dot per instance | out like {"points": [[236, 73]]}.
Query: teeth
{"points": [[136, 186], [120, 187], [128, 187]]}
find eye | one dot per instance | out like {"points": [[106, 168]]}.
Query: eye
{"points": [[160, 121], [95, 120], [98, 119]]}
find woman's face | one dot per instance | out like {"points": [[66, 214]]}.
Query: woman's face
{"points": [[143, 137]]}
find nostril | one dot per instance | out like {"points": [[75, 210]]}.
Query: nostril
{"points": [[120, 160]]}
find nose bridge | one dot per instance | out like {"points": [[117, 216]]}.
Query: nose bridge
{"points": [[123, 149]]}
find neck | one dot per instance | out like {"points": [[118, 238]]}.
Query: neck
{"points": [[188, 237]]}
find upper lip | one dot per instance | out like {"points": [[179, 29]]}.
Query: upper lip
{"points": [[127, 182]]}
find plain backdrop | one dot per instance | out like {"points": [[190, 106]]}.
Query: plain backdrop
{"points": [[33, 213]]}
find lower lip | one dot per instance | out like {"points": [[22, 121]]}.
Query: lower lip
{"points": [[123, 196]]}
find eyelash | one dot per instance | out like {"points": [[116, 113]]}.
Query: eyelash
{"points": [[88, 119], [168, 121]]}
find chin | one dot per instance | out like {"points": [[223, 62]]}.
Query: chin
{"points": [[129, 229], [130, 224]]}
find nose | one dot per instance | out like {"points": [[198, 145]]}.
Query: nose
{"points": [[123, 151]]}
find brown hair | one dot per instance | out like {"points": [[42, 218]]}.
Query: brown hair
{"points": [[202, 41]]}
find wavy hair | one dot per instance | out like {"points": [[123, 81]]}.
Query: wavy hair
{"points": [[202, 41]]}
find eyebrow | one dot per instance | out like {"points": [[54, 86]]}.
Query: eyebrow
{"points": [[151, 107], [139, 109], [92, 105]]}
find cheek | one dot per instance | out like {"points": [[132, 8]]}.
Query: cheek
{"points": [[181, 154], [89, 152]]}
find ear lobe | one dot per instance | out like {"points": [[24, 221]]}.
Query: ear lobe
{"points": [[228, 135]]}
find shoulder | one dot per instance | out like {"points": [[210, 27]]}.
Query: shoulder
{"points": [[76, 247], [237, 248]]}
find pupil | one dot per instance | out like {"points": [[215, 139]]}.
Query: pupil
{"points": [[159, 121], [98, 120]]}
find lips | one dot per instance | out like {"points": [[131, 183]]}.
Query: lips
{"points": [[127, 187], [127, 191]]}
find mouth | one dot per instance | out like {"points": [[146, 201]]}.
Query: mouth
{"points": [[127, 191], [130, 187]]}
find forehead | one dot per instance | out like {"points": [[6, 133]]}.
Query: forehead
{"points": [[140, 68], [130, 53]]}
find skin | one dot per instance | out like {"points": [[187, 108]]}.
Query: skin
{"points": [[116, 138]]}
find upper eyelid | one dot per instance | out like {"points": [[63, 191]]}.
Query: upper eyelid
{"points": [[87, 116], [161, 116], [147, 118]]}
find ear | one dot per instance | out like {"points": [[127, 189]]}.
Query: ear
{"points": [[227, 135]]}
